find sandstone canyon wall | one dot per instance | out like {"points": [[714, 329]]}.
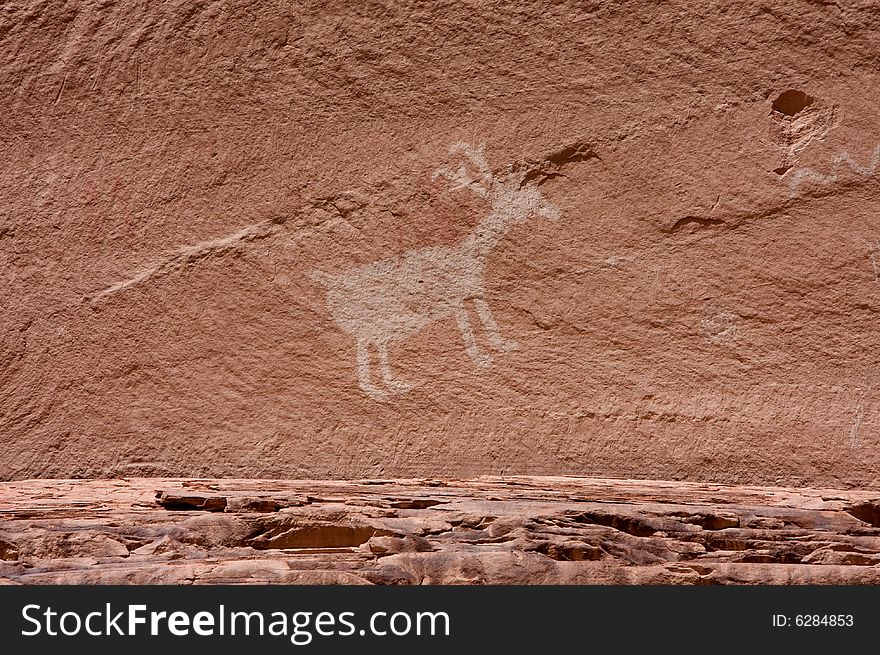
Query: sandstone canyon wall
{"points": [[262, 239]]}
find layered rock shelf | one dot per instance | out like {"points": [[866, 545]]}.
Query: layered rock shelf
{"points": [[488, 530]]}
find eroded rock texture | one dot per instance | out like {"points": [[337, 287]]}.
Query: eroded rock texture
{"points": [[519, 530], [674, 225]]}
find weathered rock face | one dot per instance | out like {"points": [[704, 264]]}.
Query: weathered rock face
{"points": [[225, 250], [517, 530]]}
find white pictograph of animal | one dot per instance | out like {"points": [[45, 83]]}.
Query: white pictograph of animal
{"points": [[389, 300]]}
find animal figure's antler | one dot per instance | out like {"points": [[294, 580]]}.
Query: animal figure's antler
{"points": [[478, 158], [517, 175], [462, 178]]}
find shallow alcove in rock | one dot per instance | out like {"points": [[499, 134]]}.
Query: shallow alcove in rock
{"points": [[792, 102]]}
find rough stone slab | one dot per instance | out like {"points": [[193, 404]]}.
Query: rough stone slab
{"points": [[488, 530]]}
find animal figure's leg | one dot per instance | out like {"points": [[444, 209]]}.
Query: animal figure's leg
{"points": [[363, 360], [464, 326], [498, 342], [398, 386]]}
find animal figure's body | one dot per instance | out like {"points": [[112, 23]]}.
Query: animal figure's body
{"points": [[389, 300]]}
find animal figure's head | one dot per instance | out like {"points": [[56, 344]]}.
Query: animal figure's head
{"points": [[520, 200], [511, 196]]}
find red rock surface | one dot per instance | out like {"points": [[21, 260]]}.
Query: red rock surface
{"points": [[525, 530], [180, 182]]}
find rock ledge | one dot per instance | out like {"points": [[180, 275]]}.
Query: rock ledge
{"points": [[490, 530]]}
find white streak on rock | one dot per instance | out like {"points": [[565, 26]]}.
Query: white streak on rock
{"points": [[867, 170], [188, 255]]}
